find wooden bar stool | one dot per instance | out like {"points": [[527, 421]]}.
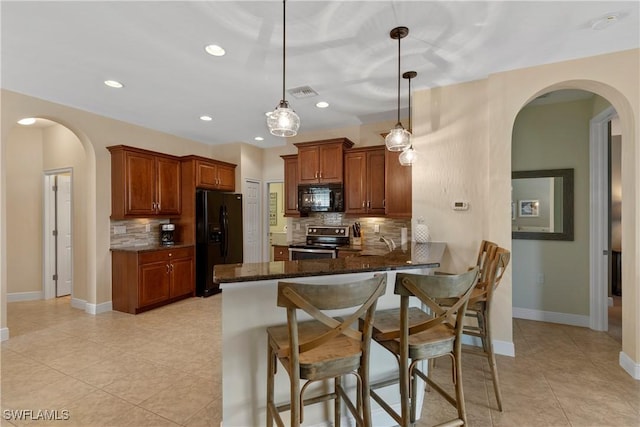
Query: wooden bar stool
{"points": [[479, 307], [324, 347], [413, 335], [492, 261]]}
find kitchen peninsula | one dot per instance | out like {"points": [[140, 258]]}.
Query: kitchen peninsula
{"points": [[249, 307]]}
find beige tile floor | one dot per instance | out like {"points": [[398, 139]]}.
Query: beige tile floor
{"points": [[162, 368]]}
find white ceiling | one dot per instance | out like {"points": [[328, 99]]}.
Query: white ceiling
{"points": [[63, 51]]}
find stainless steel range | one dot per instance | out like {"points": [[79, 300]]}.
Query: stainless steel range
{"points": [[321, 241]]}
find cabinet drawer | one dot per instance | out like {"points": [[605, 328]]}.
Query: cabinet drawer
{"points": [[165, 255], [280, 253]]}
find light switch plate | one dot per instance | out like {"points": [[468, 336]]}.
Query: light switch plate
{"points": [[119, 229]]}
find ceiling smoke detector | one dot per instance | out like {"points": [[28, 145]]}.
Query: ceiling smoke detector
{"points": [[302, 92]]}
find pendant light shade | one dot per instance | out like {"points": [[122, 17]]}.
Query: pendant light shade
{"points": [[283, 121], [409, 155], [398, 138]]}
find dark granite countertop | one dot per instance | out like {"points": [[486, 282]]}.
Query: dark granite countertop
{"points": [[148, 248], [415, 255]]}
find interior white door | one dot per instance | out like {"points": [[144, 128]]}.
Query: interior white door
{"points": [[252, 221], [65, 239]]}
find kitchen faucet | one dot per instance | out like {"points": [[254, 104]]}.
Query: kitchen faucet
{"points": [[389, 242]]}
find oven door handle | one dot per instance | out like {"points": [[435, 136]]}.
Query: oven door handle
{"points": [[314, 251]]}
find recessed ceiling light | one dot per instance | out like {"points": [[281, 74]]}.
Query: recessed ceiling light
{"points": [[322, 104], [259, 138], [206, 118], [27, 121], [215, 50], [113, 83]]}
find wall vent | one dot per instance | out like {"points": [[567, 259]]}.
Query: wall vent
{"points": [[303, 92]]}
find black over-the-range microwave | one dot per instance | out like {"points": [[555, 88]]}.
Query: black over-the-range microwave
{"points": [[320, 198]]}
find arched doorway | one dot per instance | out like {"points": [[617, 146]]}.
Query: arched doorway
{"points": [[554, 279], [34, 155], [629, 182]]}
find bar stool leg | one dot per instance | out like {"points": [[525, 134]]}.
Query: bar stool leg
{"points": [[365, 398], [271, 367], [337, 413], [488, 345], [462, 411]]}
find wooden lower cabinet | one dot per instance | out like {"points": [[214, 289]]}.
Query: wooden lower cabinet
{"points": [[280, 253], [148, 279]]}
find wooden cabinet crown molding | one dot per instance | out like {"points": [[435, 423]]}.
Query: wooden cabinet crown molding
{"points": [[115, 148], [346, 142], [207, 159]]}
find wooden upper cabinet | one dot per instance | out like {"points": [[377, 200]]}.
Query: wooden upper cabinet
{"points": [[364, 175], [143, 183], [168, 182], [291, 185], [321, 162], [397, 186], [215, 175]]}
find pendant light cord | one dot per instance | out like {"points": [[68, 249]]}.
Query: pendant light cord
{"points": [[410, 127], [284, 45], [399, 79]]}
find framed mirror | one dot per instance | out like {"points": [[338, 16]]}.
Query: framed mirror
{"points": [[542, 204]]}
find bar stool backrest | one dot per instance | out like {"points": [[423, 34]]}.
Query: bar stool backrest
{"points": [[313, 299]]}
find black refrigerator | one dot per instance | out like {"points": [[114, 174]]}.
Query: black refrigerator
{"points": [[218, 236]]}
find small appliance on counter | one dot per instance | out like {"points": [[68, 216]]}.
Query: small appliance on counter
{"points": [[166, 234]]}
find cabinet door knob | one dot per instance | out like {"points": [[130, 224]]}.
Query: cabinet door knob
{"points": [[363, 202], [167, 265], [369, 204]]}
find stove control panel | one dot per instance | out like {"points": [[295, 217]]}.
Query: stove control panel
{"points": [[328, 230]]}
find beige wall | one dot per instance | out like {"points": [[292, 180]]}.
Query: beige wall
{"points": [[34, 151], [554, 136], [24, 210], [463, 135]]}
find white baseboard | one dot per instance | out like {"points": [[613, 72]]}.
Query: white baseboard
{"points": [[24, 296], [504, 348], [610, 301], [99, 308], [78, 303], [551, 316], [4, 334], [630, 366], [91, 308]]}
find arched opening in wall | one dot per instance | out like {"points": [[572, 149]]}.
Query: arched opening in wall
{"points": [[47, 189], [559, 279]]}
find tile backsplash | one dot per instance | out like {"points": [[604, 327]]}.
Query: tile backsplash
{"points": [[133, 232], [389, 227]]}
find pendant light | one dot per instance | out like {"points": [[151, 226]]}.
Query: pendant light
{"points": [[409, 155], [283, 121], [398, 138]]}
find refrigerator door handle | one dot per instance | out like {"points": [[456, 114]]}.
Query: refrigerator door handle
{"points": [[225, 231]]}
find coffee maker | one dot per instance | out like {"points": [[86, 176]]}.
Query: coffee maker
{"points": [[166, 234]]}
